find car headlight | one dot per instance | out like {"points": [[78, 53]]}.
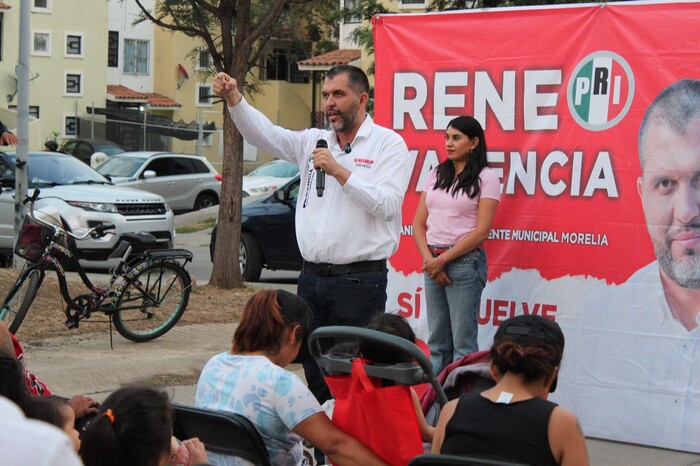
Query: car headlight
{"points": [[95, 206], [262, 189]]}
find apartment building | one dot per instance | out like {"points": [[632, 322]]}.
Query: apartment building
{"points": [[67, 63]]}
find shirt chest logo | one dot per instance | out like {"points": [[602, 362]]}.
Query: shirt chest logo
{"points": [[364, 163]]}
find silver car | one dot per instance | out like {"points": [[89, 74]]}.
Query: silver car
{"points": [[81, 198], [187, 182], [266, 178]]}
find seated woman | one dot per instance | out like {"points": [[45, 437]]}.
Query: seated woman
{"points": [[250, 380], [513, 420], [135, 428]]}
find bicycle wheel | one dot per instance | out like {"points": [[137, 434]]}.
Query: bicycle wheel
{"points": [[17, 302], [153, 302]]}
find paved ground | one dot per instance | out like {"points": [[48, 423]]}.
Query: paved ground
{"points": [[86, 365]]}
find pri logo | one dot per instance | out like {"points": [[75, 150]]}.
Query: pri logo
{"points": [[600, 90]]}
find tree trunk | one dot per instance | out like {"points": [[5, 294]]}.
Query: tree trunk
{"points": [[226, 270]]}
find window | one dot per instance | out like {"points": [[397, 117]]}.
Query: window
{"points": [[182, 166], [33, 110], [204, 93], [136, 56], [282, 65], [199, 166], [204, 60], [42, 6], [74, 45], [73, 83], [70, 125], [82, 151], [162, 167], [41, 43], [113, 49], [411, 3], [351, 5]]}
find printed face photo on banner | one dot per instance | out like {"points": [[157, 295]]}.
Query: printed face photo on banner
{"points": [[589, 231]]}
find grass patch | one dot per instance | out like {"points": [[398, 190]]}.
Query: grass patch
{"points": [[199, 226]]}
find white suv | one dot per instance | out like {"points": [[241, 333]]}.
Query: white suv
{"points": [[187, 182], [83, 198]]}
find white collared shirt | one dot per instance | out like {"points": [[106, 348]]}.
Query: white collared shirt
{"points": [[356, 222], [633, 370]]}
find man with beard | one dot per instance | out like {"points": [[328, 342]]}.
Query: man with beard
{"points": [[347, 231], [638, 355], [669, 152]]}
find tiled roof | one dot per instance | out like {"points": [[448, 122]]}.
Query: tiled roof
{"points": [[4, 6], [327, 60], [157, 100], [122, 93]]}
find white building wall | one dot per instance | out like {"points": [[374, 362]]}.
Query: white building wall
{"points": [[121, 15]]}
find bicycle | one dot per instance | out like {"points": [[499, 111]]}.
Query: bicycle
{"points": [[147, 294]]}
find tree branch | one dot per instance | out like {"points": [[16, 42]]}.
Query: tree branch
{"points": [[159, 22], [272, 15]]}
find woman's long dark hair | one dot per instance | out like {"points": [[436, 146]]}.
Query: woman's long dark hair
{"points": [[267, 314], [468, 180], [135, 432]]}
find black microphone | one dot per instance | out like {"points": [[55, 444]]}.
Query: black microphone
{"points": [[348, 148], [320, 174]]}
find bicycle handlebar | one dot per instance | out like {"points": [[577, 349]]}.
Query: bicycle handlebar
{"points": [[98, 231]]}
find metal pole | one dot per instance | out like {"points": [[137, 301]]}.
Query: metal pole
{"points": [[200, 132], [92, 121], [22, 72], [145, 119]]}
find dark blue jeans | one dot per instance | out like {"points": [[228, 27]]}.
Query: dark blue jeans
{"points": [[453, 310], [350, 299]]}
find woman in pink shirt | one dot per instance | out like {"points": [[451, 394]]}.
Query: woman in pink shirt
{"points": [[453, 219]]}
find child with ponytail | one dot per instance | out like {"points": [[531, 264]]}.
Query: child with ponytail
{"points": [[135, 428]]}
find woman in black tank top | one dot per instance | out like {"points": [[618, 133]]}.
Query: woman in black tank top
{"points": [[513, 420]]}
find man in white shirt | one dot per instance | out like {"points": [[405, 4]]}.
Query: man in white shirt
{"points": [[639, 373], [347, 230], [26, 442]]}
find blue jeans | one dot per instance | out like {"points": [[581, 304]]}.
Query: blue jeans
{"points": [[350, 299], [453, 310]]}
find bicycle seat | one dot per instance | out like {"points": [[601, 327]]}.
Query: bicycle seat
{"points": [[141, 237]]}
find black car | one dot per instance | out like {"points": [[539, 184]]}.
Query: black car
{"points": [[82, 149], [268, 238]]}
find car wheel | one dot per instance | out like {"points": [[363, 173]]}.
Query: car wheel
{"points": [[250, 258], [203, 201], [6, 260]]}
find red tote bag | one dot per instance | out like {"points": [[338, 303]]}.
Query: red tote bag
{"points": [[383, 418]]}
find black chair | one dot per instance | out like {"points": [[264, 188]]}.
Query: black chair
{"points": [[453, 460], [222, 432]]}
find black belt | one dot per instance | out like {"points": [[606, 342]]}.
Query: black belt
{"points": [[326, 270]]}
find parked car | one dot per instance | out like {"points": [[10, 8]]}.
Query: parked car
{"points": [[266, 178], [187, 182], [82, 198], [268, 238], [82, 149]]}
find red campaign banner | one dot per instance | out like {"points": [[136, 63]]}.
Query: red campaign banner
{"points": [[561, 92], [566, 182]]}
